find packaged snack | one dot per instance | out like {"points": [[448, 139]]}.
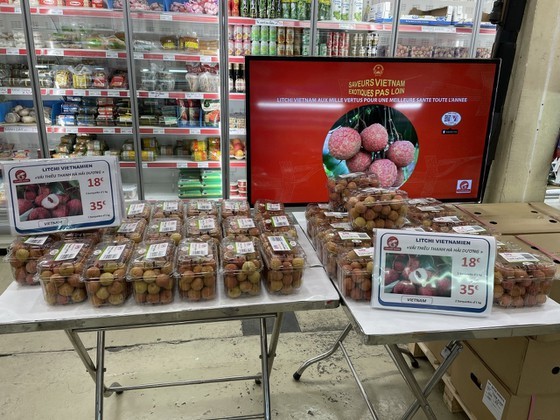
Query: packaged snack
{"points": [[99, 79], [104, 273], [241, 267], [63, 79], [151, 272], [23, 254], [196, 269]]}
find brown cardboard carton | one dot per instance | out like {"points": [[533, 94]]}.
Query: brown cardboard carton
{"points": [[487, 398], [436, 347], [524, 365], [547, 209], [512, 218]]}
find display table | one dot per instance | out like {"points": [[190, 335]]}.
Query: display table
{"points": [[23, 309], [391, 328]]}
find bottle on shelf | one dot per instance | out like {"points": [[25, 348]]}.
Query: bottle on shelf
{"points": [[240, 79], [232, 78]]}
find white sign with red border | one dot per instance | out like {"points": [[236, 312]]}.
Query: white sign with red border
{"points": [[433, 272]]}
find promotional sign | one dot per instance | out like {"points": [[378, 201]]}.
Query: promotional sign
{"points": [[433, 272], [409, 121], [49, 195]]}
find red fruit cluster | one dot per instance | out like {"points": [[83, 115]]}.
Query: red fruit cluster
{"points": [[406, 276], [44, 203]]}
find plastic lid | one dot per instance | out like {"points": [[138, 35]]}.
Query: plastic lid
{"points": [[109, 259], [168, 209], [201, 208], [281, 252], [192, 251], [241, 256], [138, 210], [152, 254], [231, 208]]}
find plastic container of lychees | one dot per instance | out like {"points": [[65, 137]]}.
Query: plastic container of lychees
{"points": [[138, 210], [104, 273], [195, 268], [242, 267], [170, 228], [128, 230], [285, 263], [165, 209], [337, 242], [267, 208], [203, 228], [150, 271], [23, 255], [201, 208], [231, 208], [354, 271], [522, 278], [60, 270], [321, 221], [240, 228], [380, 208], [284, 224], [342, 186]]}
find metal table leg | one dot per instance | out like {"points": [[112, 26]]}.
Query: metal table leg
{"points": [[99, 384], [407, 375], [337, 343], [454, 348], [274, 336], [265, 372]]}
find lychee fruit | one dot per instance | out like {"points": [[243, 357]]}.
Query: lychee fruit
{"points": [[50, 201], [400, 178], [74, 207], [385, 170], [401, 153], [344, 143], [374, 138], [359, 162], [404, 287]]}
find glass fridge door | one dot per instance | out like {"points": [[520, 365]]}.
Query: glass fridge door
{"points": [[18, 117], [177, 75], [81, 50]]}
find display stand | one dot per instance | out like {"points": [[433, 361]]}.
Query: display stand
{"points": [[391, 328], [23, 309]]}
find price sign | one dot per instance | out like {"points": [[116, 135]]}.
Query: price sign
{"points": [[21, 91], [126, 130], [108, 131], [165, 16], [56, 52], [76, 195], [156, 94], [205, 59], [112, 54], [71, 130], [432, 272], [3, 91], [113, 93], [57, 12], [159, 130], [12, 51], [194, 130]]}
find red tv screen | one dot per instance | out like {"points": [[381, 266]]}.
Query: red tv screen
{"points": [[421, 125]]}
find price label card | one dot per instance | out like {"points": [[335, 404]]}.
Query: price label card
{"points": [[3, 91], [168, 226], [194, 131], [128, 227], [12, 51], [433, 272], [113, 93], [21, 91], [126, 130], [245, 223], [112, 54], [206, 224], [165, 16], [199, 249], [157, 251], [108, 130], [205, 58], [159, 130], [244, 247], [68, 251], [69, 195], [112, 252]]}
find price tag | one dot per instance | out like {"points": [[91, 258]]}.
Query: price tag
{"points": [[138, 56], [155, 94], [56, 52], [182, 165], [20, 129], [203, 164], [269, 22], [244, 247], [206, 224], [112, 252], [21, 91], [159, 130], [128, 227], [280, 221], [439, 29], [193, 95], [447, 219], [12, 51], [3, 91], [36, 240], [348, 26], [57, 12], [108, 131], [469, 229], [91, 184], [17, 10], [168, 226], [93, 92], [79, 92], [136, 208], [518, 257], [336, 214], [113, 93], [68, 251], [165, 16], [204, 205], [279, 243], [126, 130], [194, 131], [205, 58], [273, 206], [433, 272], [246, 223], [157, 251], [170, 206], [354, 236], [364, 252], [71, 130], [344, 225], [112, 54], [168, 57], [198, 249]]}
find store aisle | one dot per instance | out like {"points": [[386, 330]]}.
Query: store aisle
{"points": [[43, 378]]}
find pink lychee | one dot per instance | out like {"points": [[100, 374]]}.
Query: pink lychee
{"points": [[401, 153], [400, 178], [359, 162], [74, 207], [374, 138], [344, 143], [427, 291], [443, 286], [391, 276], [385, 170], [404, 288], [60, 211], [50, 201], [39, 213]]}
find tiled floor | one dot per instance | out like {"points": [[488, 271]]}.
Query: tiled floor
{"points": [[43, 378]]}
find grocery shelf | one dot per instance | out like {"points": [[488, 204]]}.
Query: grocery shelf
{"points": [[237, 131], [88, 130], [173, 163], [172, 56], [177, 95], [351, 26], [180, 130], [57, 129], [289, 23], [174, 17], [237, 96]]}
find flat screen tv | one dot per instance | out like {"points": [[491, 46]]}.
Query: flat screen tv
{"points": [[421, 125]]}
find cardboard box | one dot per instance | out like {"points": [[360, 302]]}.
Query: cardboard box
{"points": [[526, 366], [487, 398], [512, 218], [546, 209], [436, 347]]}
